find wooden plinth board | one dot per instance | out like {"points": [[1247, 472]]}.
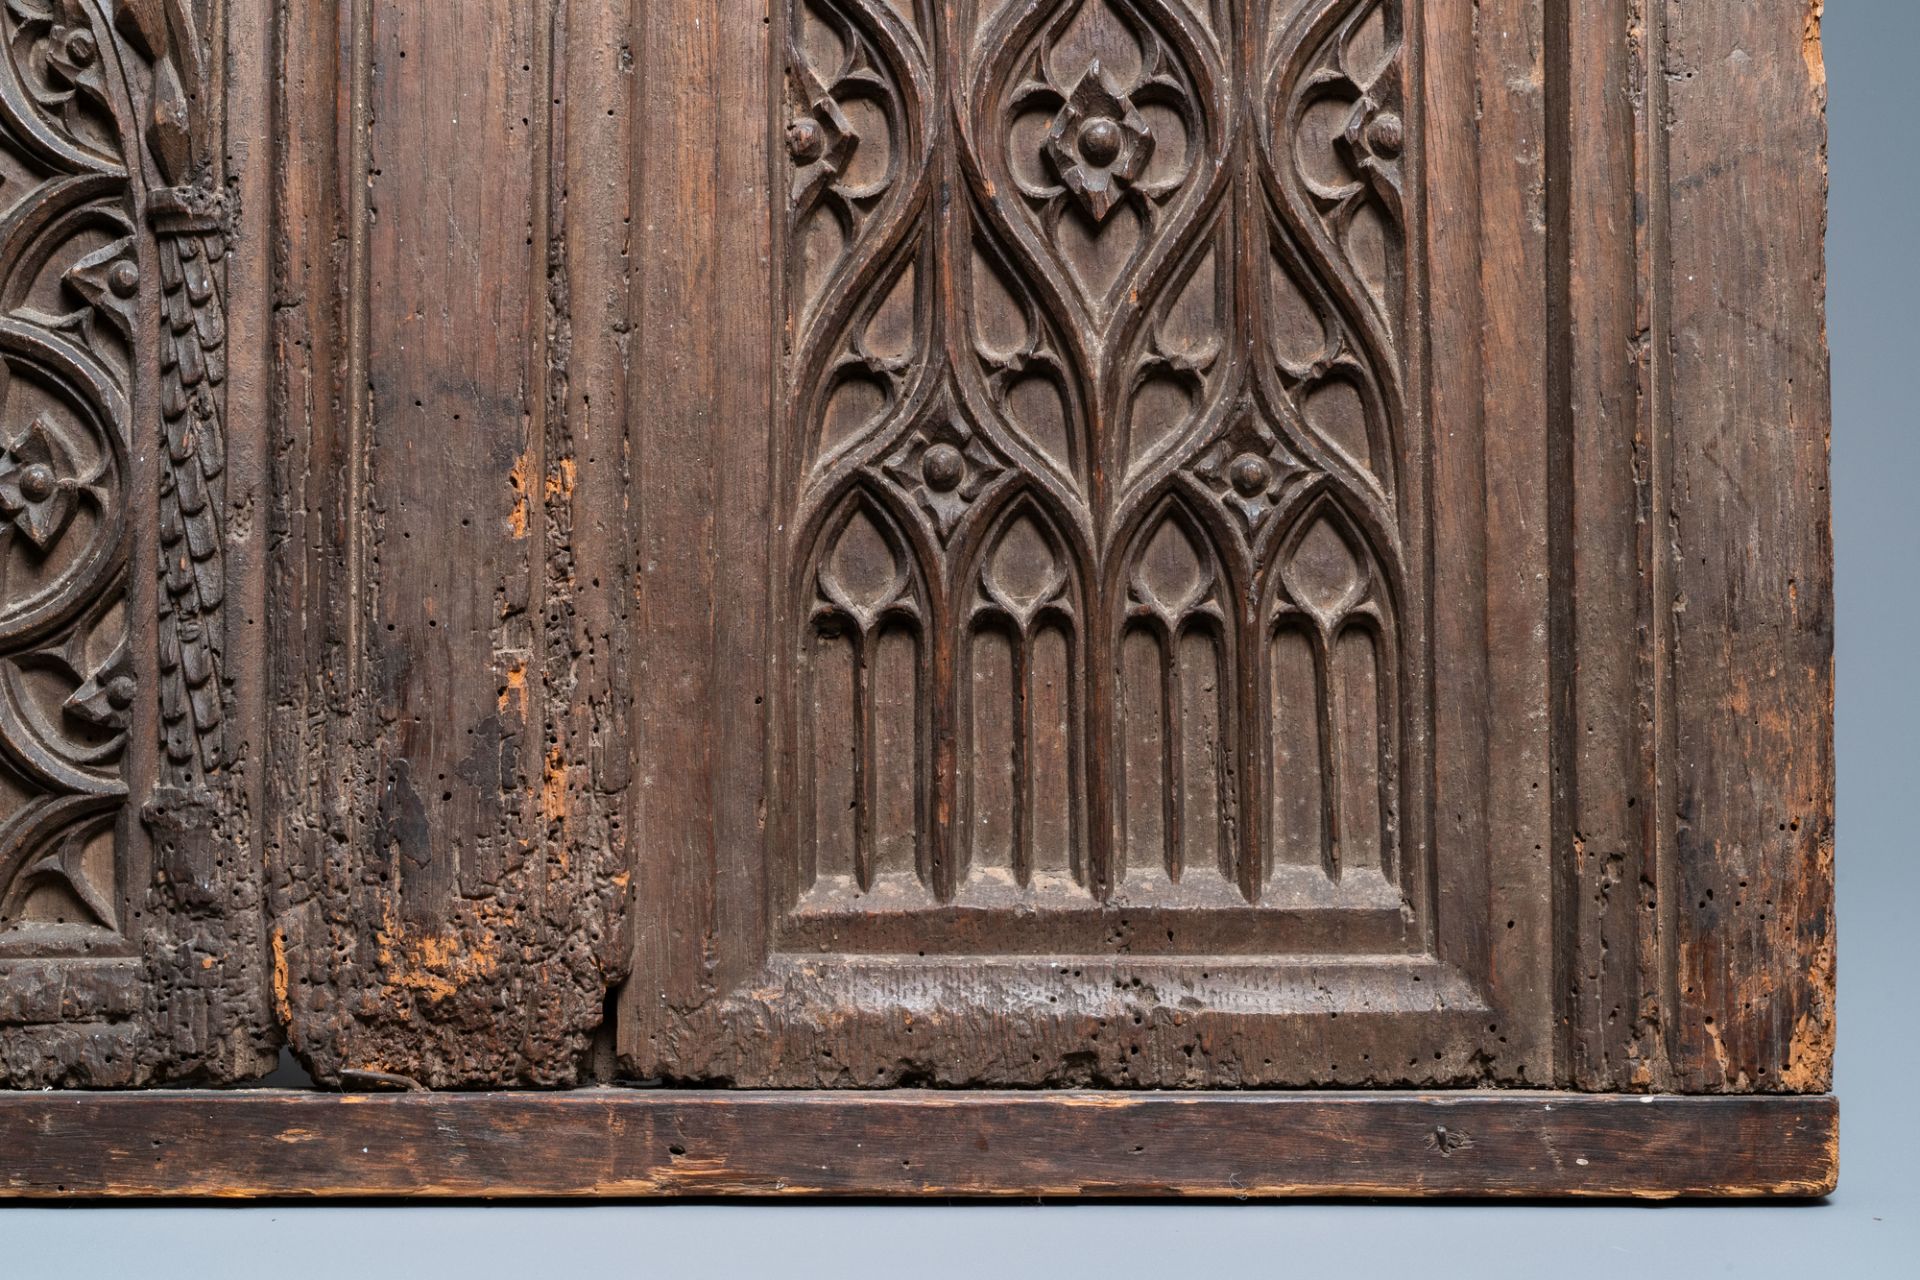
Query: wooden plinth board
{"points": [[639, 1143]]}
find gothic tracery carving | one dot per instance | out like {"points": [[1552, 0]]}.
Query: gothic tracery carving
{"points": [[112, 236], [1133, 268]]}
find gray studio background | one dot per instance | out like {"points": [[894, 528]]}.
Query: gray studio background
{"points": [[1868, 1229]]}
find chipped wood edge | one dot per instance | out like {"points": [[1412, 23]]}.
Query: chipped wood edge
{"points": [[615, 1143]]}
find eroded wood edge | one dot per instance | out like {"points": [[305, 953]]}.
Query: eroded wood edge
{"points": [[1749, 535], [449, 817]]}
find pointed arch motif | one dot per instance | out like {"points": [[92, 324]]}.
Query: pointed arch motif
{"points": [[1022, 655], [113, 368], [1174, 719], [1333, 678], [1161, 294], [863, 667]]}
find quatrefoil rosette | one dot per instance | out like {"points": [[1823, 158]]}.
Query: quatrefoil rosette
{"points": [[1090, 110], [61, 475], [38, 482], [65, 685], [1098, 143], [943, 465]]}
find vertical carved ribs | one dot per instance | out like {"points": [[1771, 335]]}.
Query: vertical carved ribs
{"points": [[1096, 431], [1332, 680], [1022, 769], [1176, 716], [864, 662]]}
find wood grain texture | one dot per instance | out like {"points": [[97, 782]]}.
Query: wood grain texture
{"points": [[629, 1143], [1694, 782], [451, 623], [1610, 431], [1124, 543], [1751, 544], [1058, 702]]}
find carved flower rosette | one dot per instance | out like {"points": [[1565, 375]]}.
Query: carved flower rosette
{"points": [[96, 196]]}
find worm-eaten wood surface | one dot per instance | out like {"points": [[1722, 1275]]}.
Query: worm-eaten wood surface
{"points": [[452, 620], [1128, 544]]}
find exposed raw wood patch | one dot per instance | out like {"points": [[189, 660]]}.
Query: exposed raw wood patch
{"points": [[282, 1006], [553, 788], [1810, 1052], [1810, 45], [515, 691], [518, 478], [440, 963]]}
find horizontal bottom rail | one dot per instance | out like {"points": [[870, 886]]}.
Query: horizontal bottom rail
{"points": [[681, 1142]]}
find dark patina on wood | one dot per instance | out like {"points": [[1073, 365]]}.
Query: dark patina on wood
{"points": [[132, 875], [624, 1142], [451, 752], [1186, 545]]}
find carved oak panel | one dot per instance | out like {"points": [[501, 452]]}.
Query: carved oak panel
{"points": [[1138, 543], [1100, 735], [1102, 464], [130, 925]]}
